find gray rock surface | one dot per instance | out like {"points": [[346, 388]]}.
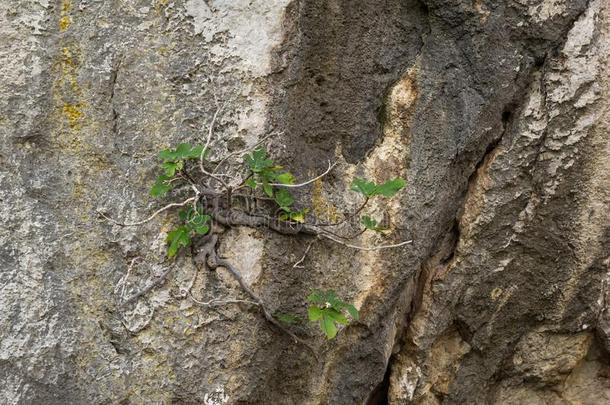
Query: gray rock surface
{"points": [[496, 112]]}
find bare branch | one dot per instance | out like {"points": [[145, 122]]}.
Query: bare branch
{"points": [[215, 302], [210, 133], [365, 248], [234, 217], [214, 261], [298, 265], [215, 177], [242, 152], [207, 144], [150, 218], [330, 167]]}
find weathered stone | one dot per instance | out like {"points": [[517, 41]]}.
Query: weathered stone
{"points": [[496, 113]]}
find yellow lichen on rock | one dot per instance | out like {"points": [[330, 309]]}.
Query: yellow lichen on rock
{"points": [[322, 208], [67, 93], [69, 68], [64, 23], [65, 20], [73, 113]]}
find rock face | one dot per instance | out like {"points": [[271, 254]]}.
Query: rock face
{"points": [[496, 112]]}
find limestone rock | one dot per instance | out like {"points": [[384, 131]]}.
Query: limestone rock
{"points": [[496, 113]]}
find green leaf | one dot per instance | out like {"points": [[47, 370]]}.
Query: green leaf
{"points": [[195, 220], [390, 188], [372, 224], [201, 230], [161, 186], [336, 316], [299, 216], [328, 327], [315, 313], [353, 311], [195, 152], [328, 309], [370, 189], [316, 297], [184, 215], [321, 297], [257, 160], [267, 188], [284, 199], [199, 224], [170, 168], [182, 152], [367, 188], [167, 155], [176, 239], [251, 183], [158, 190], [369, 223], [198, 219], [295, 216], [285, 178], [330, 296]]}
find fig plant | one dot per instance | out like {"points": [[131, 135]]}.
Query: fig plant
{"points": [[258, 195]]}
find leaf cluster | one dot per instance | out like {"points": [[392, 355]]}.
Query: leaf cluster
{"points": [[370, 189], [173, 163], [329, 311], [265, 173], [194, 222], [325, 308], [372, 224]]}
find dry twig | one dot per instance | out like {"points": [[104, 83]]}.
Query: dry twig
{"points": [[268, 316], [298, 265], [150, 218], [330, 167], [216, 302], [365, 248]]}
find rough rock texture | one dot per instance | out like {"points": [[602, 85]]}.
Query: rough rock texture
{"points": [[496, 112]]}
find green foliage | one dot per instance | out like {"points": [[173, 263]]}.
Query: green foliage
{"points": [[183, 151], [194, 222], [174, 161], [265, 173], [325, 308], [285, 178], [295, 216], [258, 161], [371, 224], [162, 186], [329, 311], [284, 199], [366, 188], [370, 189], [177, 238]]}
